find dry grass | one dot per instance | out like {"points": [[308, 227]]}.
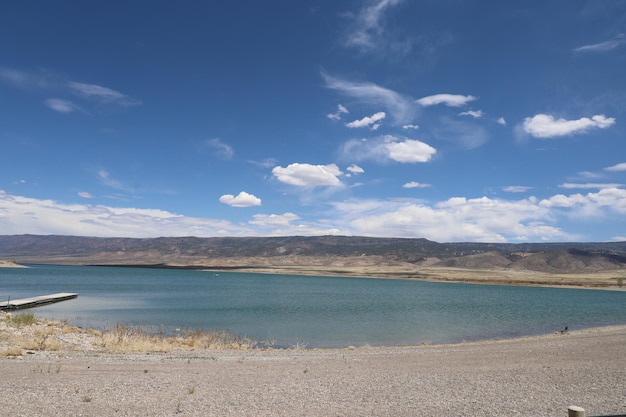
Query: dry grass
{"points": [[25, 332], [125, 339]]}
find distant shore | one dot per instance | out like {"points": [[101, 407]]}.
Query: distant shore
{"points": [[10, 264]]}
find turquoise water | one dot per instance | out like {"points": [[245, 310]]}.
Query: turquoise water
{"points": [[315, 311]]}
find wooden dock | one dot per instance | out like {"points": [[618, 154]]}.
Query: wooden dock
{"points": [[35, 301]]}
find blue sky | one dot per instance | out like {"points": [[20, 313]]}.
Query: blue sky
{"points": [[450, 120]]}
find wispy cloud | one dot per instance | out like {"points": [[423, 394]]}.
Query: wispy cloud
{"points": [[307, 175], [451, 100], [85, 194], [466, 134], [476, 114], [589, 185], [102, 94], [63, 106], [367, 30], [603, 46], [616, 168], [337, 115], [517, 189], [47, 82], [221, 149], [546, 126], [107, 180], [387, 148], [243, 199], [401, 109]]}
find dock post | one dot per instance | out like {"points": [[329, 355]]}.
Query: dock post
{"points": [[575, 411]]}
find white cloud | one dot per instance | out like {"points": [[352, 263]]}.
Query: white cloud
{"points": [[222, 150], [337, 115], [367, 31], [62, 106], [616, 168], [355, 169], [501, 121], [306, 175], [570, 185], [21, 215], [410, 151], [387, 147], [517, 189], [603, 46], [102, 94], [451, 100], [400, 108], [591, 205], [85, 194], [410, 126], [367, 121], [243, 199], [415, 184], [456, 219], [477, 114], [546, 126], [274, 220]]}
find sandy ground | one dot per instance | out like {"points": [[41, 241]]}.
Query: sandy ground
{"points": [[538, 376]]}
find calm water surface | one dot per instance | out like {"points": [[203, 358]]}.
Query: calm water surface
{"points": [[316, 311]]}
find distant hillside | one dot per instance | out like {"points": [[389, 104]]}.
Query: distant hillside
{"points": [[235, 252]]}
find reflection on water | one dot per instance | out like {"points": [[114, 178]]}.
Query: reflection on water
{"points": [[318, 311]]}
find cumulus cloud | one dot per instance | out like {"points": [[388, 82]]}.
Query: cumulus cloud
{"points": [[243, 199], [368, 121], [401, 109], [102, 94], [337, 115], [355, 169], [546, 126], [451, 100], [415, 184], [388, 147], [617, 168], [476, 114], [501, 121], [62, 106], [41, 216], [410, 126], [456, 219], [591, 205], [307, 175]]}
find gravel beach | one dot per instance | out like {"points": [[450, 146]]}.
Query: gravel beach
{"points": [[536, 376]]}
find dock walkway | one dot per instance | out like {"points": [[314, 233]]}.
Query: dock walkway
{"points": [[35, 301]]}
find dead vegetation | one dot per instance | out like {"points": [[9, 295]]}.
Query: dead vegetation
{"points": [[23, 333]]}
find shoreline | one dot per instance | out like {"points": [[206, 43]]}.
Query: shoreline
{"points": [[534, 375]]}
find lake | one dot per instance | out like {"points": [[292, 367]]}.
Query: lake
{"points": [[310, 310]]}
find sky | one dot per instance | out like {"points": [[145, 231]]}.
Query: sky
{"points": [[451, 120]]}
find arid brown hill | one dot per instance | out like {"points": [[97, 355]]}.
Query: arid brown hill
{"points": [[251, 251]]}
